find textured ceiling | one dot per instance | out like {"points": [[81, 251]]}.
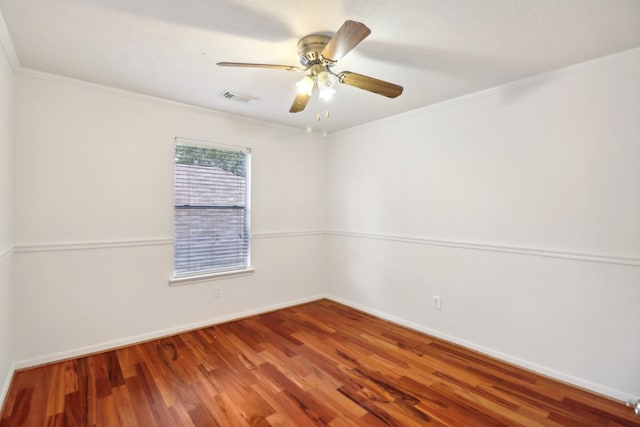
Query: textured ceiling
{"points": [[436, 49]]}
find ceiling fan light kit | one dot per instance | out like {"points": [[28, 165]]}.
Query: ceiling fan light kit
{"points": [[317, 54], [327, 80], [305, 86]]}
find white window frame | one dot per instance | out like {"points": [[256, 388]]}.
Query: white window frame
{"points": [[220, 273]]}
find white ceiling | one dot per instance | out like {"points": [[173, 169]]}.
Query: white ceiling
{"points": [[436, 49]]}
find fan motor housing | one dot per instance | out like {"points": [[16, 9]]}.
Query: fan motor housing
{"points": [[309, 49]]}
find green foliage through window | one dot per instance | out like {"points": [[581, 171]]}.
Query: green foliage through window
{"points": [[230, 161]]}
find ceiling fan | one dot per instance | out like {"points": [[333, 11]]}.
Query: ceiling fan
{"points": [[318, 54]]}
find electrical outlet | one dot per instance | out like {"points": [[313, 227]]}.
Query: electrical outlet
{"points": [[437, 303], [217, 293]]}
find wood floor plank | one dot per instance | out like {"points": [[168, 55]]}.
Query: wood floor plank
{"points": [[316, 364]]}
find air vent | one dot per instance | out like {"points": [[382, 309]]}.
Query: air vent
{"points": [[238, 97]]}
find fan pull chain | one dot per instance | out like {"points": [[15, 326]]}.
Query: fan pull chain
{"points": [[326, 115]]}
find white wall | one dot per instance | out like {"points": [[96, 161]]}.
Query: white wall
{"points": [[518, 206], [94, 218], [6, 207]]}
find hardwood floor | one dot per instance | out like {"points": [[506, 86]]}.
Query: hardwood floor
{"points": [[318, 364]]}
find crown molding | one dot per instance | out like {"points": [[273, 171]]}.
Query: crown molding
{"points": [[7, 45], [501, 89], [141, 97]]}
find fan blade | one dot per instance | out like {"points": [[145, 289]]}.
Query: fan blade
{"points": [[349, 35], [300, 102], [273, 66], [369, 83]]}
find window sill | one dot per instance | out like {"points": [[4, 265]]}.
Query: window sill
{"points": [[218, 275]]}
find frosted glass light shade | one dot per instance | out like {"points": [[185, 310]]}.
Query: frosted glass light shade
{"points": [[305, 86]]}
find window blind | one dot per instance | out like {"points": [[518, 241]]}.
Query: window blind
{"points": [[211, 223]]}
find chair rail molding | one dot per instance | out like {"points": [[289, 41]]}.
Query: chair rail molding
{"points": [[490, 247]]}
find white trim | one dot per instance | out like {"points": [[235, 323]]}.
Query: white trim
{"points": [[106, 244], [191, 142], [543, 370], [506, 87], [8, 47], [83, 351], [7, 383], [575, 256], [6, 43], [286, 234], [206, 277], [490, 247], [247, 204], [136, 339], [6, 254], [245, 269], [137, 96]]}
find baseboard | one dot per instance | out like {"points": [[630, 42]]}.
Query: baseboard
{"points": [[136, 339], [6, 385], [534, 367], [542, 370]]}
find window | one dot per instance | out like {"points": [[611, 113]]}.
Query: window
{"points": [[212, 215]]}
